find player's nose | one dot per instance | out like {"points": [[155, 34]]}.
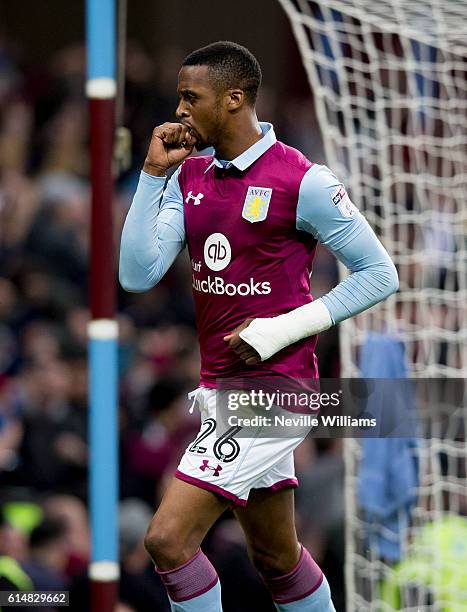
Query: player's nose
{"points": [[181, 111]]}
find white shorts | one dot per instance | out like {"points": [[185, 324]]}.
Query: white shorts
{"points": [[232, 467]]}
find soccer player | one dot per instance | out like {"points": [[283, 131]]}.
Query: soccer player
{"points": [[251, 216]]}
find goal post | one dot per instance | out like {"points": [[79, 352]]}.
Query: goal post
{"points": [[389, 80]]}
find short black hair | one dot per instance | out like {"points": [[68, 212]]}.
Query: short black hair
{"points": [[230, 65], [50, 530]]}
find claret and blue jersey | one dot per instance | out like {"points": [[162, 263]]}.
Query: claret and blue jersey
{"points": [[251, 226]]}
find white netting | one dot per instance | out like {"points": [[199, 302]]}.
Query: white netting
{"points": [[389, 79]]}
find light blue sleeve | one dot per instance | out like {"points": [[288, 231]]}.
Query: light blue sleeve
{"points": [[153, 234], [325, 210]]}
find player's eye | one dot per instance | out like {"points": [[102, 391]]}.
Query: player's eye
{"points": [[188, 96]]}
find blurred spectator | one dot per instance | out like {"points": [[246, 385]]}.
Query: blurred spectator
{"points": [[13, 542], [139, 585], [71, 511], [59, 234], [11, 428], [48, 556], [319, 503], [242, 589], [54, 450], [154, 447], [12, 575]]}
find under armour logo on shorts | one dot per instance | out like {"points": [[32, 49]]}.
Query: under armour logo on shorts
{"points": [[197, 199], [205, 466]]}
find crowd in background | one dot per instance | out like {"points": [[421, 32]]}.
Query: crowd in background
{"points": [[44, 270]]}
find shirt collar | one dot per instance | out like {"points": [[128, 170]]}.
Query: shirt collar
{"points": [[248, 157]]}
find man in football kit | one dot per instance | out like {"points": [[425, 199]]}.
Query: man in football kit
{"points": [[251, 216]]}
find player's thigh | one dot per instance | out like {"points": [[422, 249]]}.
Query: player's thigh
{"points": [[185, 515], [268, 522]]}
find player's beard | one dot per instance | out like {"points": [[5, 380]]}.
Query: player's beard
{"points": [[200, 145], [216, 131]]}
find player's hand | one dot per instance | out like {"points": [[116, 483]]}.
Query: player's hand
{"points": [[170, 144], [240, 347]]}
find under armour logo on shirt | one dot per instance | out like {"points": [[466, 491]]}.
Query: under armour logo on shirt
{"points": [[197, 199], [205, 466]]}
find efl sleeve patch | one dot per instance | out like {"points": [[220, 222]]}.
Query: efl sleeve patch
{"points": [[340, 199]]}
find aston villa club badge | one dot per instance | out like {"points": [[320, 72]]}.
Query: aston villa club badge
{"points": [[256, 204]]}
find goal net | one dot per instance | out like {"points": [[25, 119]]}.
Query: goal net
{"points": [[389, 80]]}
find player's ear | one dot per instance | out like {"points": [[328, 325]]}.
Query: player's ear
{"points": [[235, 99]]}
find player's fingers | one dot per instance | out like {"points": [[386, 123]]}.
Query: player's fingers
{"points": [[240, 347], [186, 139], [189, 142], [246, 348], [174, 135], [170, 133], [253, 360], [237, 330], [191, 138], [187, 135], [162, 131], [246, 351], [233, 333], [235, 341]]}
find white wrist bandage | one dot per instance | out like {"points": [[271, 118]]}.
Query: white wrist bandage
{"points": [[270, 335]]}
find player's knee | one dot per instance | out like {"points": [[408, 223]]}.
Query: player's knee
{"points": [[271, 564], [162, 544]]}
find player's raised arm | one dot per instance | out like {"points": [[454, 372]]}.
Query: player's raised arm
{"points": [[153, 233], [326, 211]]}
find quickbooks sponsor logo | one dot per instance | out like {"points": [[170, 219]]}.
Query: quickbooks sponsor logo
{"points": [[217, 286], [217, 252]]}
